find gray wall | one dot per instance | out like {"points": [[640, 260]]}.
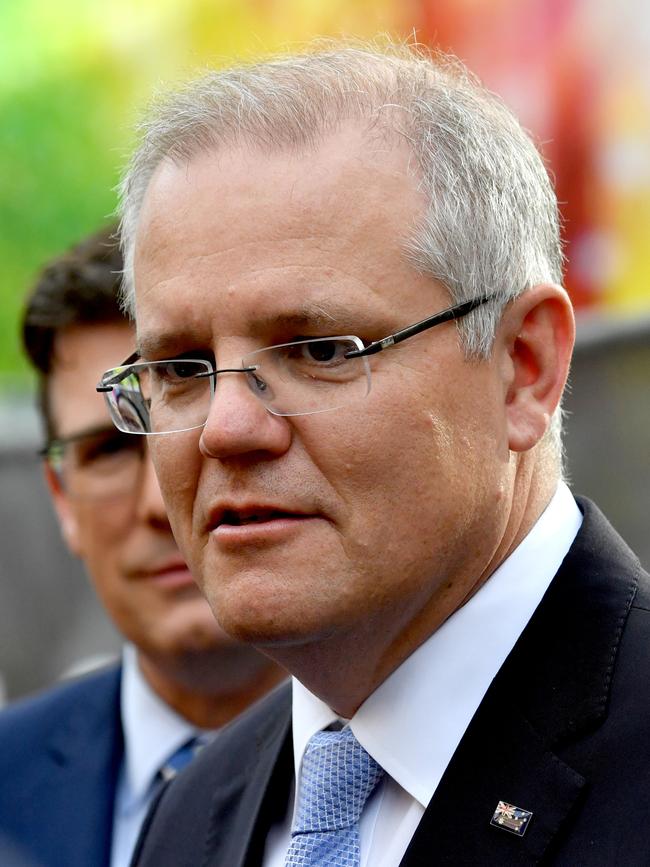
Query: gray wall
{"points": [[49, 618], [608, 430]]}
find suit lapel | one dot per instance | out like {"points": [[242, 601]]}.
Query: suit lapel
{"points": [[501, 758], [553, 688], [84, 754], [250, 802]]}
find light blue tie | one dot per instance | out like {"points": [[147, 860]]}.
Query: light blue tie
{"points": [[338, 776]]}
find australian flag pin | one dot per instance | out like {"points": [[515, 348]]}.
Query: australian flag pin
{"points": [[511, 818]]}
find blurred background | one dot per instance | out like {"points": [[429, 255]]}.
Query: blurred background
{"points": [[74, 77]]}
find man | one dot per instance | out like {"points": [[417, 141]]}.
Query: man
{"points": [[81, 762], [374, 502]]}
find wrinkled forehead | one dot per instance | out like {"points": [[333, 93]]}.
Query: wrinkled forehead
{"points": [[246, 227]]}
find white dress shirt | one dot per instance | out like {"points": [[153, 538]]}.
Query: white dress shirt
{"points": [[412, 724], [152, 733]]}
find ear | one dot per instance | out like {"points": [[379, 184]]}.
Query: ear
{"points": [[64, 510], [535, 338]]}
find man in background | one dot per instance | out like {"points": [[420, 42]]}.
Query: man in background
{"points": [[345, 269], [80, 763]]}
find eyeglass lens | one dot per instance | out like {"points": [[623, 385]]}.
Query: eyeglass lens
{"points": [[299, 378], [100, 465]]}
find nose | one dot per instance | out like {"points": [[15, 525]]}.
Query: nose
{"points": [[238, 423], [150, 506]]}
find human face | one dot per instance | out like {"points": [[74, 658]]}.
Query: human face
{"points": [[373, 522], [124, 540]]}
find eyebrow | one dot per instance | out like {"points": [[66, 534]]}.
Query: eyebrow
{"points": [[146, 347], [336, 317], [310, 313], [92, 431]]}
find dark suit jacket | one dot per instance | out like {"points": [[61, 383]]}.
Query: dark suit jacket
{"points": [[563, 731], [60, 754]]}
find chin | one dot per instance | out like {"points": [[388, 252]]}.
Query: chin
{"points": [[194, 635], [268, 632]]}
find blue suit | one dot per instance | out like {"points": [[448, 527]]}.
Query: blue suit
{"points": [[60, 754]]}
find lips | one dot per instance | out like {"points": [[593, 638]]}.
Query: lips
{"points": [[236, 518], [171, 572], [171, 566], [230, 515]]}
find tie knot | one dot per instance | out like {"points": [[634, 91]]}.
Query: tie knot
{"points": [[338, 776]]}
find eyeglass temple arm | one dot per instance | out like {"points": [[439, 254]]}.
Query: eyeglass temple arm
{"points": [[456, 312]]}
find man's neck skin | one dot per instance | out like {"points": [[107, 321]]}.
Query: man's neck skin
{"points": [[209, 690], [344, 669]]}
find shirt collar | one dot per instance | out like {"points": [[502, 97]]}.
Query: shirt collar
{"points": [[152, 730], [451, 672]]}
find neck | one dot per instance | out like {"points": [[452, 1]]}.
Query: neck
{"points": [[209, 693]]}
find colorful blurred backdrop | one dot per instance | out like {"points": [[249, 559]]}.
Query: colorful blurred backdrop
{"points": [[75, 74]]}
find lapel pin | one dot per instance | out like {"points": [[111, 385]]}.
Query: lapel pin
{"points": [[511, 818]]}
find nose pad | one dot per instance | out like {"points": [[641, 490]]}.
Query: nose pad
{"points": [[238, 422], [258, 386]]}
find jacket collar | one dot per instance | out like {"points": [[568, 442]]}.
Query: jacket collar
{"points": [[260, 787]]}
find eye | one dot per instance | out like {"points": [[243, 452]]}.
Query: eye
{"points": [[175, 373], [179, 369], [319, 351], [104, 448], [324, 350]]}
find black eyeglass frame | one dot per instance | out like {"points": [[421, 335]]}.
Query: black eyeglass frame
{"points": [[61, 442], [457, 311]]}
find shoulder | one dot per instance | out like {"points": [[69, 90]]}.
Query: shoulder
{"points": [[32, 717], [59, 757], [613, 755], [598, 539], [605, 563], [607, 581], [600, 547], [103, 683], [632, 664], [605, 601]]}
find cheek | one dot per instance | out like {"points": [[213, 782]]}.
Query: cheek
{"points": [[104, 535], [177, 462], [101, 530], [385, 469], [408, 475]]}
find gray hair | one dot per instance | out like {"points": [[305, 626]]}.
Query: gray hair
{"points": [[492, 226]]}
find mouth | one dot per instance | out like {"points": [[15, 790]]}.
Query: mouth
{"points": [[234, 518], [256, 524], [172, 573]]}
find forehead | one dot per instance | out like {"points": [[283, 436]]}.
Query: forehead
{"points": [[250, 236], [82, 353]]}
